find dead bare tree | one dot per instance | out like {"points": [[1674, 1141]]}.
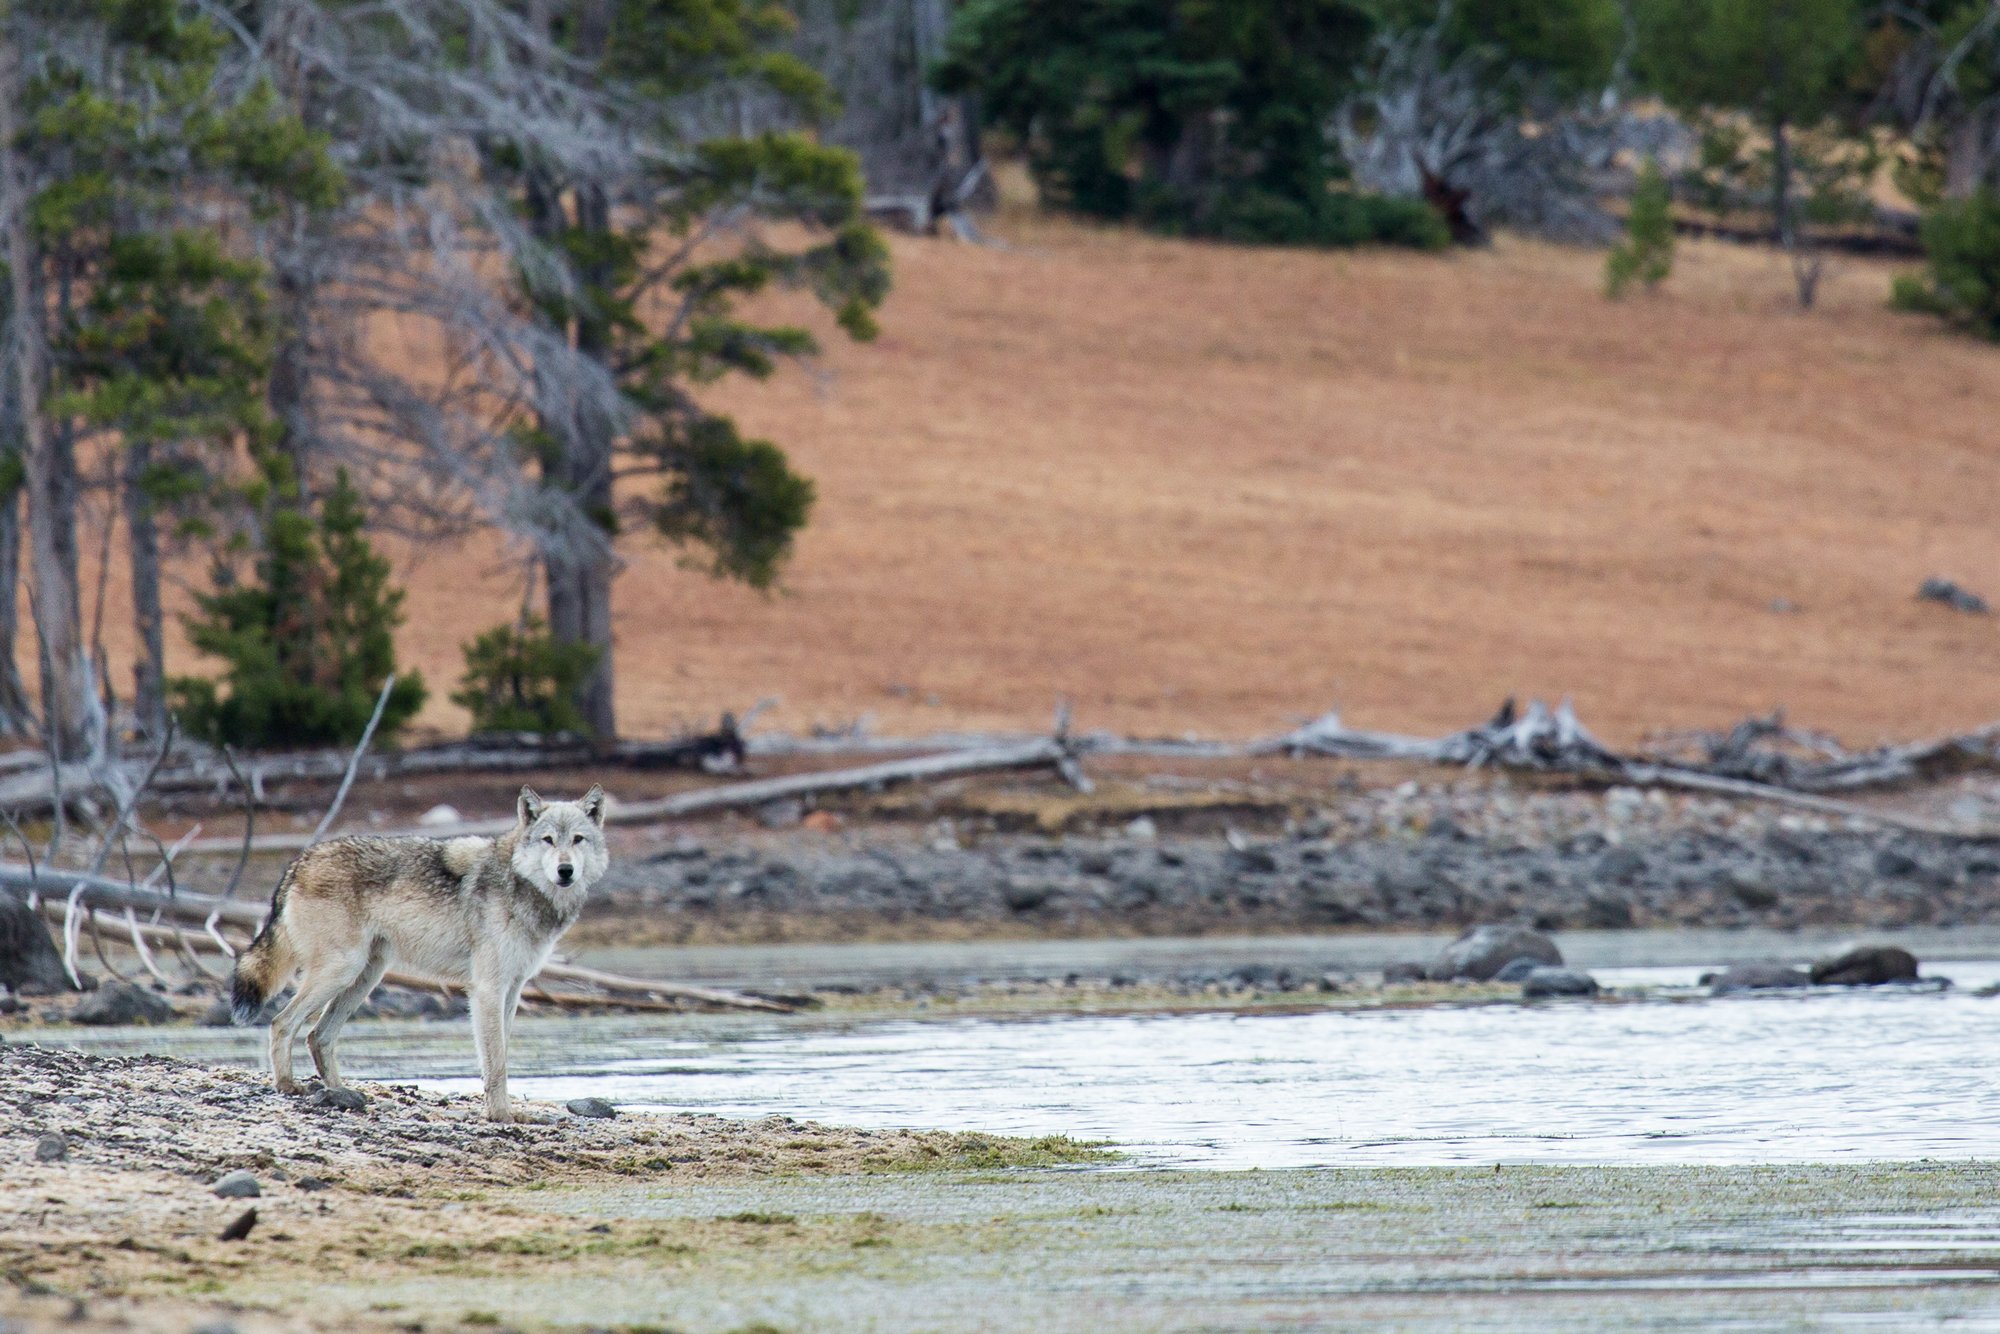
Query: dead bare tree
{"points": [[1482, 143]]}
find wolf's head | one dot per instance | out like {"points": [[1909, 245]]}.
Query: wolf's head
{"points": [[562, 842]]}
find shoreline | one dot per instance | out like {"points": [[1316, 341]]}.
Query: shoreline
{"points": [[405, 1217]]}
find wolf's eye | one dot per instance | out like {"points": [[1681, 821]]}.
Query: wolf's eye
{"points": [[549, 839], [577, 840]]}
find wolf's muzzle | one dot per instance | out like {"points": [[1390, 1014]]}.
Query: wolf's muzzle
{"points": [[565, 873]]}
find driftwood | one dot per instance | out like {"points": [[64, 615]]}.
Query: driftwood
{"points": [[1554, 741], [73, 899], [1044, 753], [30, 786]]}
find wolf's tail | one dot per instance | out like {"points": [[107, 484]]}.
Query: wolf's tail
{"points": [[263, 967]]}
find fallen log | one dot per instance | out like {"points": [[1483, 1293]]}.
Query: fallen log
{"points": [[1043, 753], [1547, 740], [197, 910], [28, 786]]}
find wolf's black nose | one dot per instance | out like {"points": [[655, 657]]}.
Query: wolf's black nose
{"points": [[565, 874]]}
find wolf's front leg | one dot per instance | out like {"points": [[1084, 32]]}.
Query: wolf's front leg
{"points": [[489, 1034]]}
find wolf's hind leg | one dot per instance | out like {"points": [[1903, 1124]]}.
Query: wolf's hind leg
{"points": [[320, 1041], [323, 980]]}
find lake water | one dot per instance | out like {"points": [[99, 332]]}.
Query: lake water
{"points": [[1881, 1075]]}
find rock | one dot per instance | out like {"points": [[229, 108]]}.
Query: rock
{"points": [[1026, 895], [310, 1184], [781, 814], [1748, 889], [1892, 864], [217, 1015], [1756, 977], [1620, 866], [440, 814], [596, 1108], [52, 1147], [1484, 950], [237, 1185], [1866, 966], [29, 960], [1252, 860], [240, 1229], [337, 1100], [1949, 594], [402, 1003], [1607, 912], [122, 1003], [1517, 970], [1546, 982], [1397, 973], [1141, 829]]}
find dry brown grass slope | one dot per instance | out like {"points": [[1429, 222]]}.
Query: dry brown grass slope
{"points": [[1207, 488]]}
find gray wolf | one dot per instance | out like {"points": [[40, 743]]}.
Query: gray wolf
{"points": [[481, 911]]}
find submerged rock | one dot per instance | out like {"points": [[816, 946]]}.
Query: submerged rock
{"points": [[1545, 982], [1756, 977], [1483, 951], [1866, 966]]}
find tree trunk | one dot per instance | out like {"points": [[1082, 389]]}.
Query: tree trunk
{"points": [[16, 714], [1781, 183], [579, 577], [1972, 150], [583, 600], [48, 454], [149, 693]]}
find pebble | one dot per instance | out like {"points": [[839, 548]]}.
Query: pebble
{"points": [[338, 1100], [52, 1148], [238, 1185], [596, 1108]]}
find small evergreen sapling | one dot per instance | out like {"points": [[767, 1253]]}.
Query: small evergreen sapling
{"points": [[1961, 278], [520, 678], [308, 641], [1647, 252]]}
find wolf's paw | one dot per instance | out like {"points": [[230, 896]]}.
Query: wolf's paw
{"points": [[291, 1087]]}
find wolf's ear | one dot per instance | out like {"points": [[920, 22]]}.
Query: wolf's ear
{"points": [[529, 808], [593, 804]]}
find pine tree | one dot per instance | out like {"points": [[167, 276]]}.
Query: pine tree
{"points": [[1188, 116], [1647, 252], [132, 153], [1961, 278], [518, 678], [643, 300], [309, 638]]}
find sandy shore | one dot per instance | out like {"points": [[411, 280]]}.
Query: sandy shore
{"points": [[127, 1214]]}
